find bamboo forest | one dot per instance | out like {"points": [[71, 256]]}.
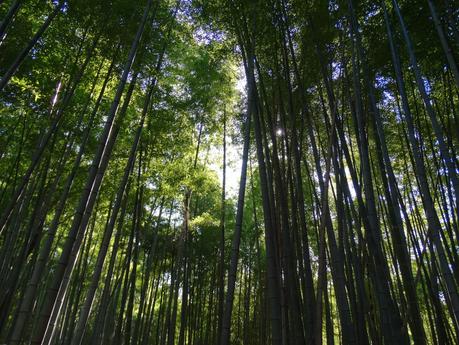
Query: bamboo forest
{"points": [[229, 172]]}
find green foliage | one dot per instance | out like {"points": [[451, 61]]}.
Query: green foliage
{"points": [[312, 70]]}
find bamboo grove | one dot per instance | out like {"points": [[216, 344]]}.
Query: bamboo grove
{"points": [[118, 120]]}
